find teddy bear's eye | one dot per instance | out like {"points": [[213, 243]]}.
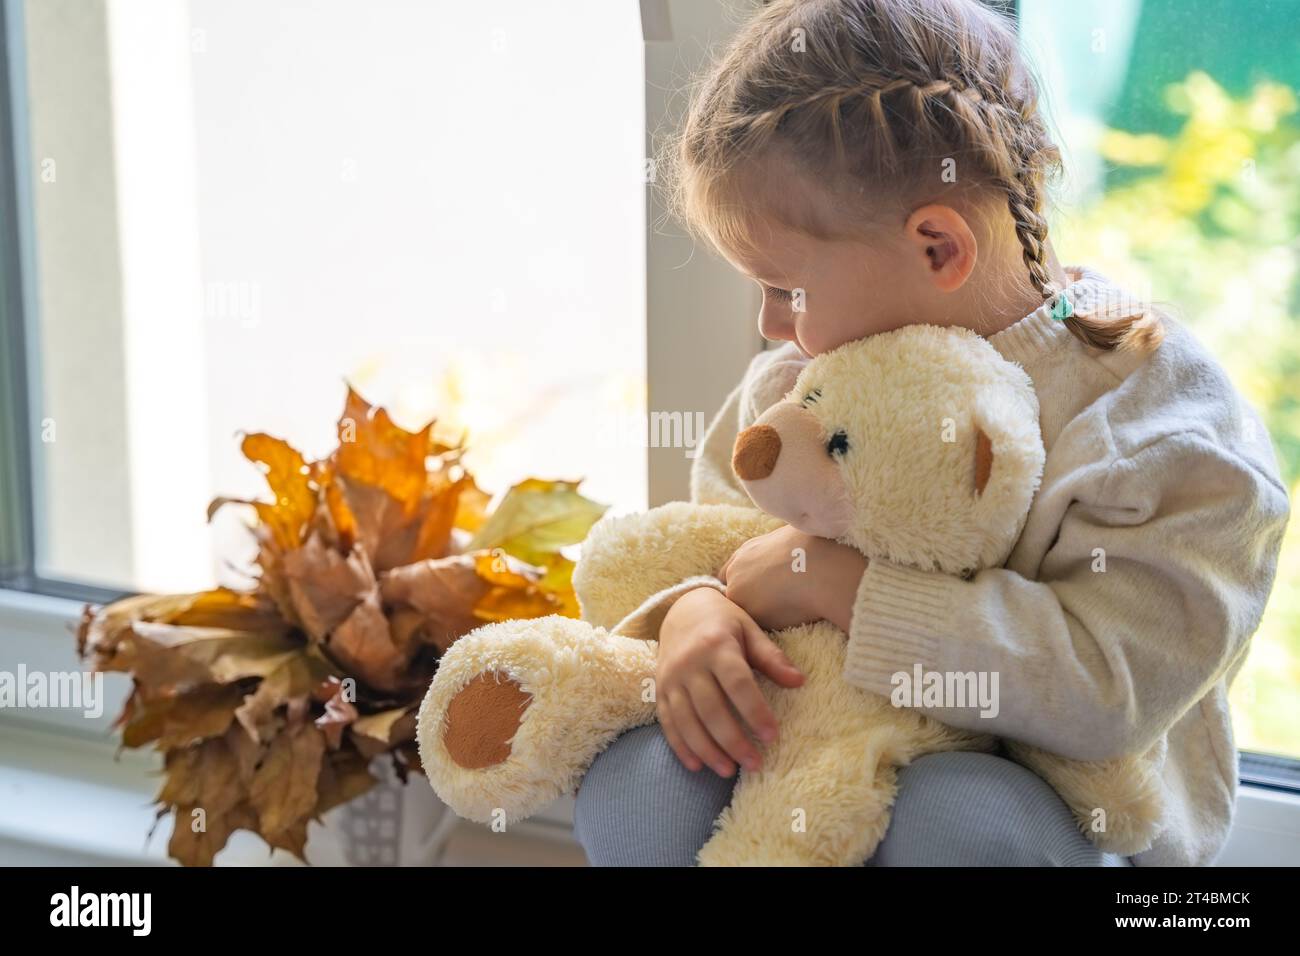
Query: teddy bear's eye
{"points": [[838, 445], [811, 397]]}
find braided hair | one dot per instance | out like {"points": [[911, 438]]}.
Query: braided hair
{"points": [[880, 95]]}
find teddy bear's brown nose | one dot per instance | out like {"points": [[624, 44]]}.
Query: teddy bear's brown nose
{"points": [[756, 452]]}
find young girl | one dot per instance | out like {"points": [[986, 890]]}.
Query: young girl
{"points": [[877, 163]]}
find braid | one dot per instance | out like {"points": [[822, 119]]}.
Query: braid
{"points": [[1018, 156], [874, 90], [1024, 201], [1015, 161]]}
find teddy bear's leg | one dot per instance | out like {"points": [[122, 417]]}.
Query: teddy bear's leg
{"points": [[1118, 804], [824, 795], [831, 813], [518, 710]]}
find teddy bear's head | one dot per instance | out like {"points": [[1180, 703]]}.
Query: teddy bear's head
{"points": [[918, 446]]}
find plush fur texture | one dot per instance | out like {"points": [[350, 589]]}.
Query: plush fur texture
{"points": [[587, 686], [910, 465], [884, 444], [823, 796]]}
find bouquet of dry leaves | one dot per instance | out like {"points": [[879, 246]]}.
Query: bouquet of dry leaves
{"points": [[270, 705]]}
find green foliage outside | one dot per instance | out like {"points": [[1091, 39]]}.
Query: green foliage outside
{"points": [[1206, 217]]}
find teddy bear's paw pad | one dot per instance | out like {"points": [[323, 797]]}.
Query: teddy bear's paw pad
{"points": [[482, 720]]}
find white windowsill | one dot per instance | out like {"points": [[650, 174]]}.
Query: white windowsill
{"points": [[67, 798]]}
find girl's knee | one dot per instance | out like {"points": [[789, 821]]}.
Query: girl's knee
{"points": [[638, 806], [975, 809]]}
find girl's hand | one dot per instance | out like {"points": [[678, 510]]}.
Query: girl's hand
{"points": [[707, 647], [787, 577]]}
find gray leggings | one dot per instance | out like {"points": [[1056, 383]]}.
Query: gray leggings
{"points": [[638, 806]]}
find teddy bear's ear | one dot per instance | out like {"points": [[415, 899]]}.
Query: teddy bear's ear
{"points": [[1008, 451], [983, 459]]}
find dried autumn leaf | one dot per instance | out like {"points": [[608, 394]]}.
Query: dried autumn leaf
{"points": [[283, 788], [536, 519], [246, 751], [185, 719], [166, 655], [342, 523], [387, 727], [141, 721], [457, 594], [289, 479], [101, 631], [513, 590], [439, 506], [339, 713], [471, 506], [294, 679], [205, 775], [406, 626], [292, 839], [385, 530], [196, 840], [557, 580], [285, 518], [204, 778], [242, 692], [344, 775], [326, 586], [363, 646], [373, 451], [443, 591]]}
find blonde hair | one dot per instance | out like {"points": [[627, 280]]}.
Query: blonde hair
{"points": [[880, 96]]}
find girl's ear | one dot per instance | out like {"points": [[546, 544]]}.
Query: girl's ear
{"points": [[941, 236]]}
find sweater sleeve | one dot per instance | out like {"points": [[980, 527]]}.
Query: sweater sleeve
{"points": [[770, 375], [712, 480], [1156, 582]]}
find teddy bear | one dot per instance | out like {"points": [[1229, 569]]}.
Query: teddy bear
{"points": [[918, 446]]}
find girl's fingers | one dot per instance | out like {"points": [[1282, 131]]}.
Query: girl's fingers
{"points": [[715, 714], [738, 683], [687, 723], [764, 656], [684, 753]]}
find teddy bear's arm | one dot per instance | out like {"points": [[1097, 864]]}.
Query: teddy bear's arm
{"points": [[629, 559], [1118, 804]]}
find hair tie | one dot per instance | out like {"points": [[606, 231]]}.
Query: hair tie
{"points": [[1061, 308]]}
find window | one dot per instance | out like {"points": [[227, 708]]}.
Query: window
{"points": [[1182, 134], [215, 212], [227, 209]]}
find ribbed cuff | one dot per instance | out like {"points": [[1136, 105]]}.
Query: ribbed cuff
{"points": [[900, 616], [643, 623]]}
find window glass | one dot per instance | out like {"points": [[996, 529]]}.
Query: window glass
{"points": [[239, 205], [1181, 129]]}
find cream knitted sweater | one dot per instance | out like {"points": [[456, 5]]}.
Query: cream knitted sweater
{"points": [[1127, 606]]}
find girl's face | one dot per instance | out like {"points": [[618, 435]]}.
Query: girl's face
{"points": [[910, 268], [821, 293]]}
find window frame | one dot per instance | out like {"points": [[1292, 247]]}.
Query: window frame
{"points": [[18, 567], [688, 290]]}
